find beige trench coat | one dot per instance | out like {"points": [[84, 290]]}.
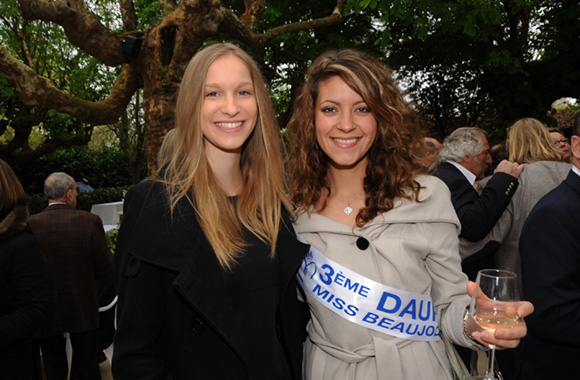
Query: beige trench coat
{"points": [[413, 247]]}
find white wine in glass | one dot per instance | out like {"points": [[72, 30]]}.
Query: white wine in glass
{"points": [[494, 305]]}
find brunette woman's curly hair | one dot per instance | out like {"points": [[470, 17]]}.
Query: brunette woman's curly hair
{"points": [[394, 157]]}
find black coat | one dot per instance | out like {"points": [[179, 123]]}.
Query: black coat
{"points": [[173, 321], [477, 213], [24, 294], [550, 249]]}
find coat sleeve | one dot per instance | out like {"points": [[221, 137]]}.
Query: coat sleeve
{"points": [[493, 240], [478, 213], [449, 283], [140, 310], [30, 280], [550, 247], [478, 218]]}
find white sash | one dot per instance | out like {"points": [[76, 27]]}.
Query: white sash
{"points": [[368, 303]]}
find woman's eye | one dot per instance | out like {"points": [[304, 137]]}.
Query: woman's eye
{"points": [[245, 93], [328, 109], [212, 93], [363, 109]]}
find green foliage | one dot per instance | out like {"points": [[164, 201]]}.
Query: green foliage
{"points": [[519, 56], [36, 203], [286, 58], [7, 136], [86, 199], [468, 62], [149, 13], [104, 168], [45, 48], [111, 236]]}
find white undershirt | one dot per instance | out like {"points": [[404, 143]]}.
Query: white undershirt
{"points": [[469, 175]]}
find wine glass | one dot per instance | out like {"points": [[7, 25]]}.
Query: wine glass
{"points": [[494, 305]]}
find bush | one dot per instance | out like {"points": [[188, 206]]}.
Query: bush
{"points": [[112, 239], [105, 167]]}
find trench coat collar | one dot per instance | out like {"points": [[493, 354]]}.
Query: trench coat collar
{"points": [[404, 211]]}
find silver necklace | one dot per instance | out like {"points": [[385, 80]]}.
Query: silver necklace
{"points": [[347, 210]]}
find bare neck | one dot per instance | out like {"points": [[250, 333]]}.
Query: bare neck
{"points": [[347, 183], [228, 172]]}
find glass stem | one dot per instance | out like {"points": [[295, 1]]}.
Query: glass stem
{"points": [[490, 372]]}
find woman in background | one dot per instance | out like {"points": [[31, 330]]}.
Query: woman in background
{"points": [[529, 143], [206, 256], [383, 277], [562, 143], [24, 282]]}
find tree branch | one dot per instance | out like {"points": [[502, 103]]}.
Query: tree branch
{"points": [[253, 14], [128, 15], [38, 91], [239, 29], [167, 6], [81, 26]]}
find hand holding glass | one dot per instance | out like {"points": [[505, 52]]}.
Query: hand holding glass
{"points": [[494, 304]]}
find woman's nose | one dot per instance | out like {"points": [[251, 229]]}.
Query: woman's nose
{"points": [[230, 106], [346, 123]]}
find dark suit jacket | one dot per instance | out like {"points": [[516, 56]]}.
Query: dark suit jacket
{"points": [[550, 250], [75, 247], [174, 320], [477, 213]]}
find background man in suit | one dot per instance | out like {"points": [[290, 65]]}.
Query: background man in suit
{"points": [[75, 247], [550, 250], [464, 160]]}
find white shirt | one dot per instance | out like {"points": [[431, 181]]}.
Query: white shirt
{"points": [[469, 175], [576, 170]]}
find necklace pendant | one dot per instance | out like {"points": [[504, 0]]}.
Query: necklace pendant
{"points": [[348, 210]]}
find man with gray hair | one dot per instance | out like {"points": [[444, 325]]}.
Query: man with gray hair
{"points": [[75, 247], [464, 160]]}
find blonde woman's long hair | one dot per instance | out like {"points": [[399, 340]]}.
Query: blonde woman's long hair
{"points": [[188, 174], [528, 141]]}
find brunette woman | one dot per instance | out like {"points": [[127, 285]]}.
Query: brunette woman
{"points": [[24, 283], [383, 277]]}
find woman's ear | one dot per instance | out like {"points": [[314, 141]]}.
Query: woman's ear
{"points": [[575, 145]]}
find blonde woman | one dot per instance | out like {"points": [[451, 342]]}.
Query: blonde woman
{"points": [[206, 256], [529, 143]]}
